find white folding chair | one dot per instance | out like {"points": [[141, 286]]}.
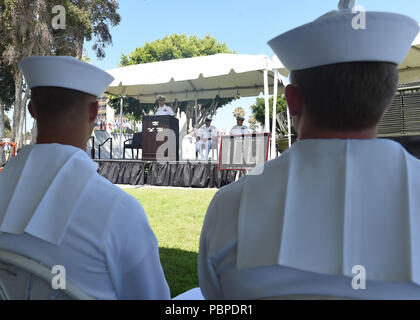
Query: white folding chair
{"points": [[22, 278]]}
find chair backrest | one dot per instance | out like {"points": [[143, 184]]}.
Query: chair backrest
{"points": [[137, 140], [26, 279]]}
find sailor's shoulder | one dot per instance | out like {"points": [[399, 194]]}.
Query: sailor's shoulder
{"points": [[232, 191], [103, 191]]}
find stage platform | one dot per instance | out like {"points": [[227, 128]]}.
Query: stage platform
{"points": [[194, 174]]}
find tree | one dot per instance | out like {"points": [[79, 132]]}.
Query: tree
{"points": [[7, 127], [176, 46], [258, 111], [6, 134], [131, 106], [282, 130], [85, 20], [26, 29], [253, 125], [7, 91], [171, 47], [85, 57]]}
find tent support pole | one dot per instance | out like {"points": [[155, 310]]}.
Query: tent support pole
{"points": [[267, 102], [196, 111], [274, 125], [121, 127]]}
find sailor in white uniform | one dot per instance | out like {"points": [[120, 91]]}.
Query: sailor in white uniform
{"points": [[206, 137], [55, 207], [239, 129], [340, 202], [163, 109], [239, 148]]}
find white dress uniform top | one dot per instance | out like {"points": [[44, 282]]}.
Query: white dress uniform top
{"points": [[164, 111], [300, 223], [238, 130], [207, 136], [321, 208], [207, 133], [56, 208]]}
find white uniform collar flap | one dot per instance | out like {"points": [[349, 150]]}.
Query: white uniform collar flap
{"points": [[285, 219], [44, 184]]}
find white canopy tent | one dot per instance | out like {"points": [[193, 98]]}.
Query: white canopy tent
{"points": [[223, 75], [409, 70]]}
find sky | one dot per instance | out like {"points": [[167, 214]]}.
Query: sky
{"points": [[244, 25]]}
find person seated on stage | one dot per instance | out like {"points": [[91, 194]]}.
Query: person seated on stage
{"points": [[337, 214], [239, 129], [54, 206], [206, 136], [163, 109]]}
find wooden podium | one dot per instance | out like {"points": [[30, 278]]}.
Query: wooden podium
{"points": [[152, 125]]}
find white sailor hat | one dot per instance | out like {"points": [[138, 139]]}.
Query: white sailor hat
{"points": [[160, 97], [64, 72], [240, 118], [347, 35]]}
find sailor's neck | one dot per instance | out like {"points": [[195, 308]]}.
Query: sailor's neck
{"points": [[342, 135], [78, 142]]}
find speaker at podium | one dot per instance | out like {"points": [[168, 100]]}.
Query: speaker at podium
{"points": [[157, 138]]}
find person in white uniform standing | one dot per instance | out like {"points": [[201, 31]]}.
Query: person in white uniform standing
{"points": [[206, 137], [239, 143], [55, 207], [337, 215], [163, 109], [239, 129]]}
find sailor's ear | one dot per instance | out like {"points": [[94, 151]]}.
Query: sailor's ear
{"points": [[294, 100], [93, 111], [31, 110], [388, 106]]}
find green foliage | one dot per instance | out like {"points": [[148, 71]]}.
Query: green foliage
{"points": [[7, 87], [26, 30], [253, 123], [175, 46], [7, 127], [85, 20], [258, 110], [125, 131], [131, 106]]}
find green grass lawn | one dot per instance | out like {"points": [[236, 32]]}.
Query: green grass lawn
{"points": [[176, 217]]}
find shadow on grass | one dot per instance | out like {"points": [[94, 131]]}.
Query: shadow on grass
{"points": [[180, 268]]}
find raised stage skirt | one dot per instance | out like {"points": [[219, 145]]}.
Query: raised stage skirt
{"points": [[173, 174]]}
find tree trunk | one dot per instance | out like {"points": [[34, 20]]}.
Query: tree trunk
{"points": [[22, 119], [20, 140], [2, 133], [34, 133], [79, 50], [189, 111], [17, 107]]}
